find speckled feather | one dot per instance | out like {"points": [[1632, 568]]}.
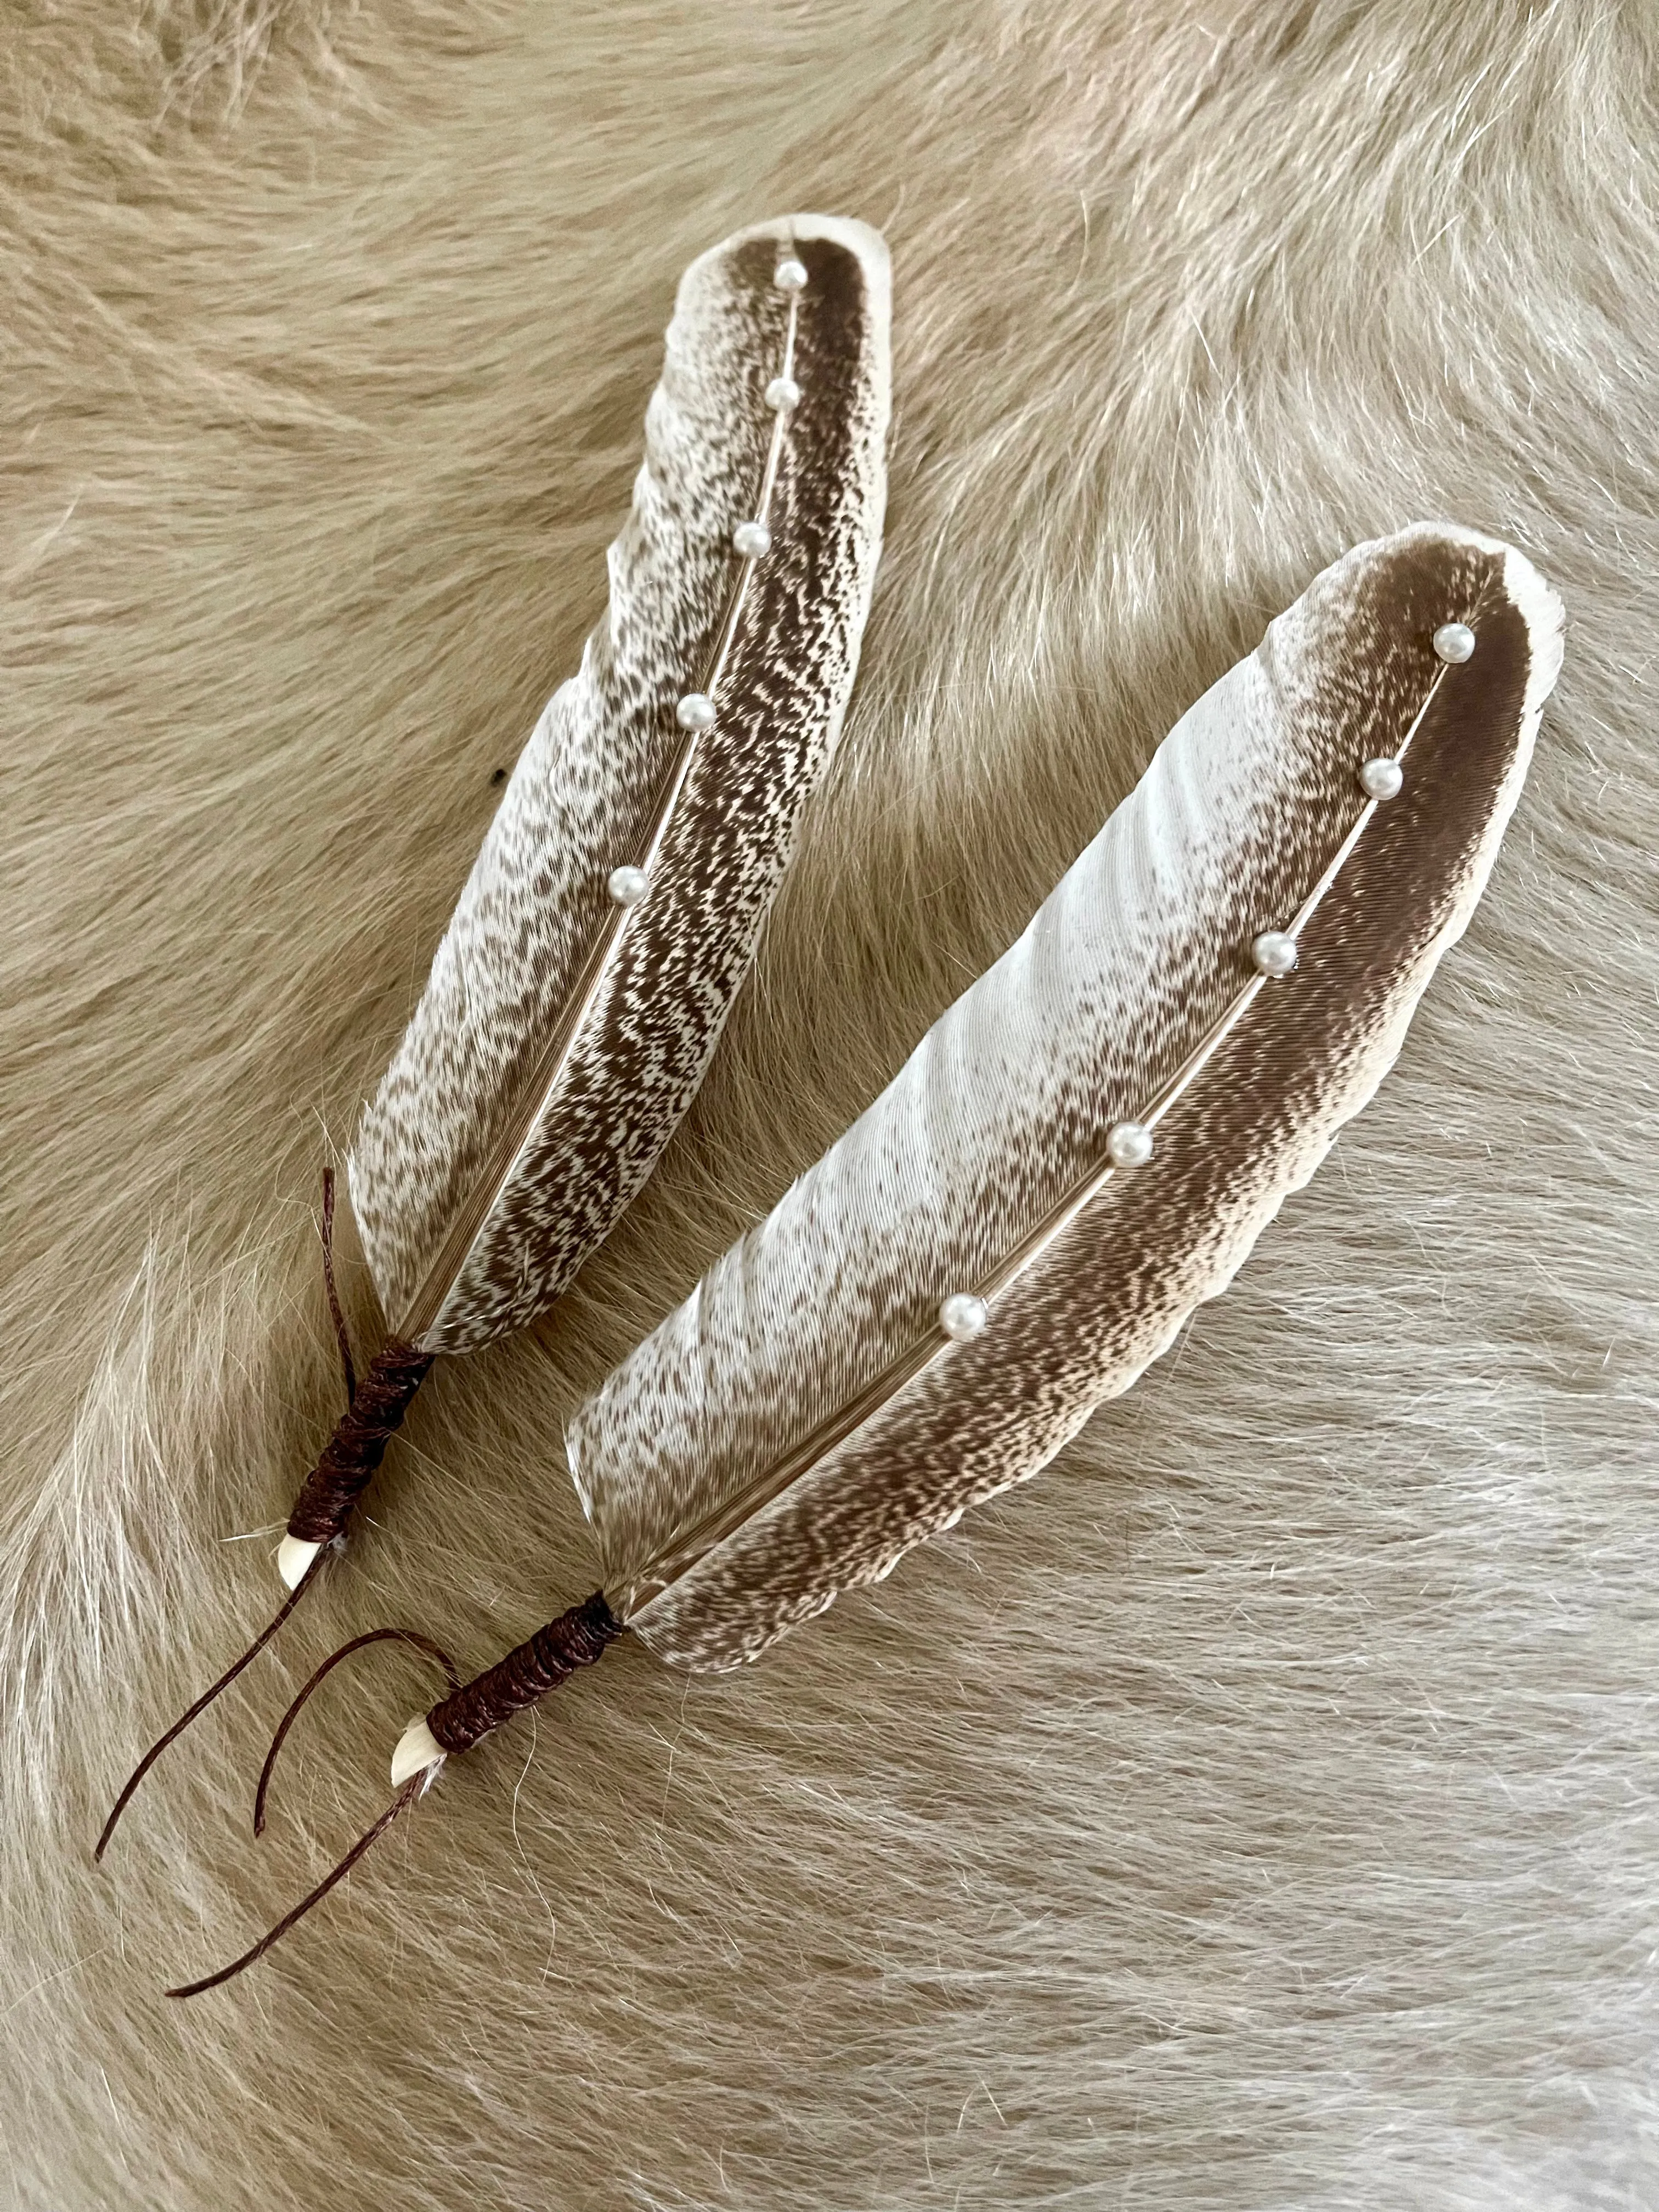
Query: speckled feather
{"points": [[763, 1450], [499, 1149]]}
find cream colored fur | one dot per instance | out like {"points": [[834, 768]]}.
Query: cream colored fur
{"points": [[1259, 1811]]}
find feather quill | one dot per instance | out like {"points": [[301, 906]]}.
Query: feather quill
{"points": [[581, 985], [1083, 1148]]}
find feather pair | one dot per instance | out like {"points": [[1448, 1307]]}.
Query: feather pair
{"points": [[1082, 1149], [581, 985]]}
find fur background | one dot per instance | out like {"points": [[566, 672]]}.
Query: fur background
{"points": [[1259, 1811]]}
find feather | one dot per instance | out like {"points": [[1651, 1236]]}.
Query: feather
{"points": [[1081, 1150], [583, 982], [562, 1035], [804, 1418]]}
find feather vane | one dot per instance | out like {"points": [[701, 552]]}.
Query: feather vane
{"points": [[562, 1033], [804, 1419]]}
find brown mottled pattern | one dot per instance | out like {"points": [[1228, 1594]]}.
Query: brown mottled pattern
{"points": [[460, 1097], [1006, 1103]]}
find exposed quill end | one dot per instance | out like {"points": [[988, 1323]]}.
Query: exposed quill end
{"points": [[418, 1749], [294, 1558]]}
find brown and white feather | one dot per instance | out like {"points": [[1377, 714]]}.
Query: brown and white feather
{"points": [[802, 1421], [560, 1039]]}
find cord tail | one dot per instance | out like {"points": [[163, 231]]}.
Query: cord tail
{"points": [[409, 1636], [194, 1712], [399, 1805]]}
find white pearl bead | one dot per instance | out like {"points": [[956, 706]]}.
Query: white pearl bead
{"points": [[695, 712], [1381, 778], [1273, 952], [790, 274], [783, 393], [628, 886], [1129, 1144], [963, 1317], [1454, 641], [753, 539]]}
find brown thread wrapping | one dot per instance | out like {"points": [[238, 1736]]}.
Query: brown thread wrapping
{"points": [[358, 1444], [577, 1638]]}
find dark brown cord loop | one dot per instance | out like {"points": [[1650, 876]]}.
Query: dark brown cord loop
{"points": [[577, 1638], [203, 1703], [399, 1805], [341, 1335], [415, 1642], [358, 1444]]}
